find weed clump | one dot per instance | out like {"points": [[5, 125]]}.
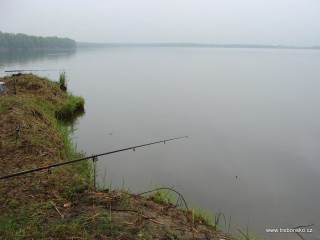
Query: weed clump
{"points": [[71, 106], [63, 81]]}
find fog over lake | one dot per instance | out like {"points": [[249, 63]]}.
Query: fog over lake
{"points": [[252, 117]]}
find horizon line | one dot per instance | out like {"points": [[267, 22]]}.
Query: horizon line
{"points": [[191, 44]]}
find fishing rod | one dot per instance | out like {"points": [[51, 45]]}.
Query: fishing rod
{"points": [[94, 157], [35, 70]]}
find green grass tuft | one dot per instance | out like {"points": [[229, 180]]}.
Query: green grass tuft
{"points": [[71, 105], [63, 78]]}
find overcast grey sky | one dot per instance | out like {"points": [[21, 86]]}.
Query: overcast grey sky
{"points": [[289, 22]]}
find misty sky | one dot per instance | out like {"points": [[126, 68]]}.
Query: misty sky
{"points": [[287, 22]]}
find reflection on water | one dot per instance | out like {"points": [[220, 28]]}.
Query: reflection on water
{"points": [[252, 117], [72, 120]]}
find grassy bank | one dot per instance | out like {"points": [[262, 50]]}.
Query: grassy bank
{"points": [[60, 203]]}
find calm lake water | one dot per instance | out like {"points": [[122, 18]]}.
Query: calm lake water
{"points": [[252, 117]]}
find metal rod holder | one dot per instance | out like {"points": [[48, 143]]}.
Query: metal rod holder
{"points": [[17, 130], [14, 87], [94, 160]]}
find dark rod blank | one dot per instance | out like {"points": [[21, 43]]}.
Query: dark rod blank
{"points": [[84, 158]]}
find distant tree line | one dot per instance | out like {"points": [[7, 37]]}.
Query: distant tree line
{"points": [[20, 41]]}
